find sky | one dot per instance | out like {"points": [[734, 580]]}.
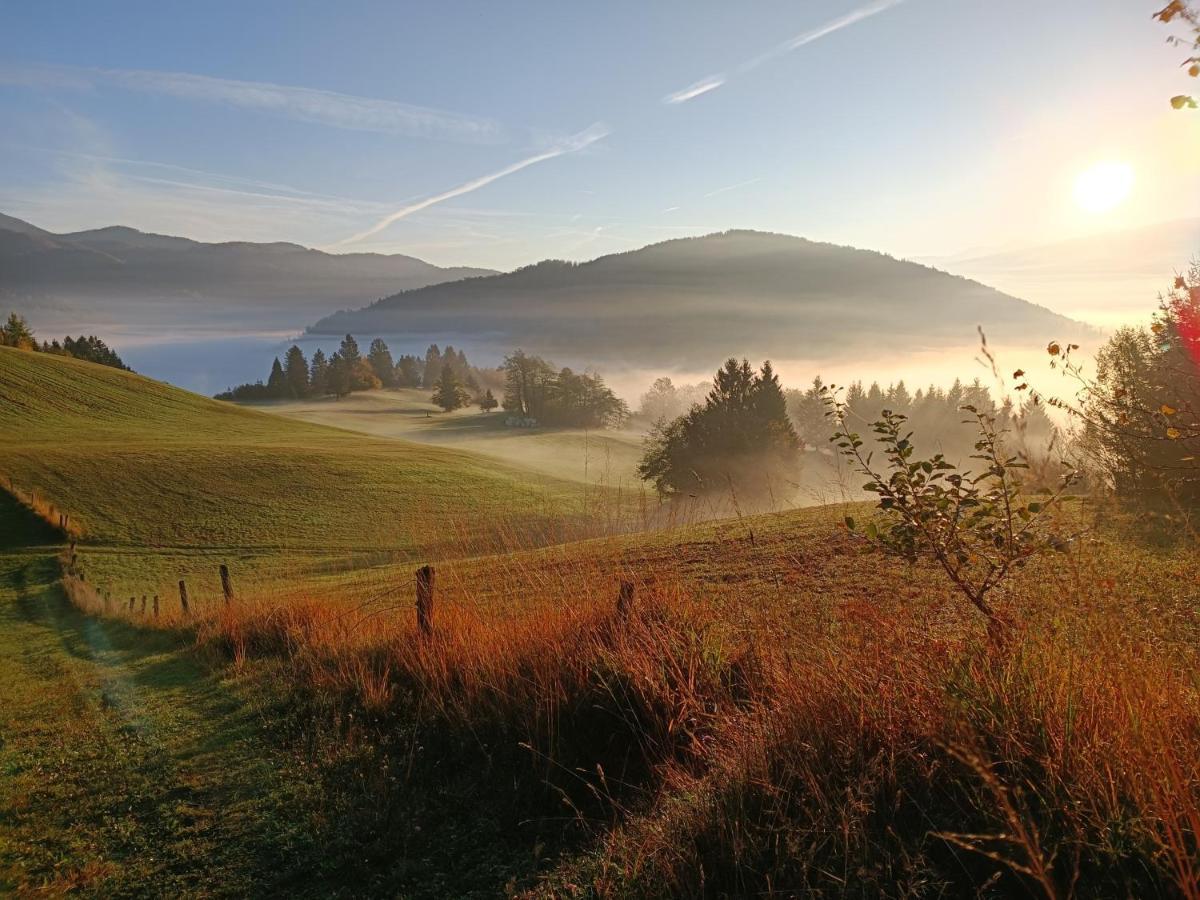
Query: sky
{"points": [[488, 134]]}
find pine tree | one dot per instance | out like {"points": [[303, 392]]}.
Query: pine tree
{"points": [[448, 393], [380, 358], [277, 384], [349, 350], [338, 376], [16, 333], [433, 364], [770, 409], [408, 372], [318, 379], [488, 401], [295, 369]]}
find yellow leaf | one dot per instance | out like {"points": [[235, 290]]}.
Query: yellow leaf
{"points": [[1167, 410], [1174, 434]]}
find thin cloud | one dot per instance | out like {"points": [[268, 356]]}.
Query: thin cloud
{"points": [[712, 82], [732, 187], [703, 86], [329, 108], [572, 144]]}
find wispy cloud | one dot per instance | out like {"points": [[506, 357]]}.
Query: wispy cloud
{"points": [[572, 144], [303, 104], [703, 86], [732, 187], [712, 82]]}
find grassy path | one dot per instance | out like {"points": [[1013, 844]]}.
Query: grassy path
{"points": [[127, 768]]}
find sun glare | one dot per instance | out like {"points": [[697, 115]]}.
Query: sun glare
{"points": [[1104, 186]]}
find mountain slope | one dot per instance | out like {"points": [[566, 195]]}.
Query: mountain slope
{"points": [[122, 279], [696, 300], [139, 463]]}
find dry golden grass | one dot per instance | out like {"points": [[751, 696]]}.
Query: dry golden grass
{"points": [[783, 713]]}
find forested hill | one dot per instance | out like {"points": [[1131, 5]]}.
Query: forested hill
{"points": [[703, 298], [118, 276]]}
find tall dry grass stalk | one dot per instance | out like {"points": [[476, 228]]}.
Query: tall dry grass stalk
{"points": [[780, 713]]}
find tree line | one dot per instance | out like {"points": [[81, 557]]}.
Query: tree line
{"points": [[347, 370], [746, 428], [15, 332]]}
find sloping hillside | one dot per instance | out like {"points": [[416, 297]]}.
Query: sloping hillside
{"points": [[119, 276], [139, 463], [696, 301]]}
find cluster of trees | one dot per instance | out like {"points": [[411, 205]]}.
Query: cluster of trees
{"points": [[934, 414], [667, 400], [347, 370], [1141, 411], [15, 332], [535, 389], [740, 438]]}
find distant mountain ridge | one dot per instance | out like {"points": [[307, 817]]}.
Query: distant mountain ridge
{"points": [[125, 277], [692, 300]]}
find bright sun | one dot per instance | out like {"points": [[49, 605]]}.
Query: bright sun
{"points": [[1104, 186]]}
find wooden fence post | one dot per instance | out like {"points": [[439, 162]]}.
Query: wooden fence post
{"points": [[131, 604], [183, 596], [425, 600], [226, 584], [143, 604], [156, 606], [625, 599]]}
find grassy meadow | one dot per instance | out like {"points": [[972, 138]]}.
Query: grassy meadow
{"points": [[774, 712]]}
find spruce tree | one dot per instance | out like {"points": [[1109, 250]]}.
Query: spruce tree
{"points": [[318, 379], [349, 350], [380, 358], [277, 383], [433, 364], [408, 372], [448, 393], [338, 376], [295, 368]]}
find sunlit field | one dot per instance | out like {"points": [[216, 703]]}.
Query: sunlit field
{"points": [[600, 451], [769, 704]]}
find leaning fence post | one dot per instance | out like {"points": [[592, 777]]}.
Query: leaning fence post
{"points": [[226, 584], [183, 596], [425, 600], [625, 599]]}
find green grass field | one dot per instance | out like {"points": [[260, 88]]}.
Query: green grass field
{"points": [[604, 458], [776, 711], [139, 463]]}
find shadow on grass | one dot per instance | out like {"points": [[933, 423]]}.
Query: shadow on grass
{"points": [[21, 529]]}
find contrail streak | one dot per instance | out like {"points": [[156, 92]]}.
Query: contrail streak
{"points": [[571, 145], [712, 82]]}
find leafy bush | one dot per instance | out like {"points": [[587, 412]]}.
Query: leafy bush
{"points": [[978, 527]]}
